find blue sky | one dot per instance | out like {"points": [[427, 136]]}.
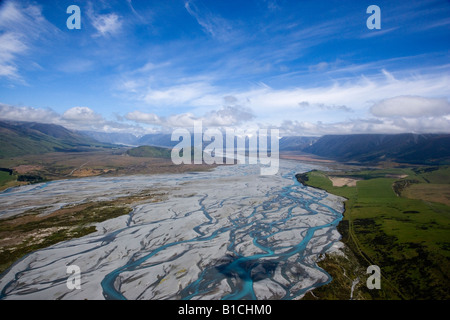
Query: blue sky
{"points": [[306, 67]]}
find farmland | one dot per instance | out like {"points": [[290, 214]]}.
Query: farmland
{"points": [[398, 219]]}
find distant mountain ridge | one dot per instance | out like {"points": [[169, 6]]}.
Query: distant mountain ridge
{"points": [[296, 143], [157, 140], [405, 148], [290, 143], [23, 138], [365, 148], [126, 139]]}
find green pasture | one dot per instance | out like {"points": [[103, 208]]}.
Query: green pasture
{"points": [[6, 180], [408, 238]]}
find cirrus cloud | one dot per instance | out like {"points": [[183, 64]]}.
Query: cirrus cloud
{"points": [[22, 28]]}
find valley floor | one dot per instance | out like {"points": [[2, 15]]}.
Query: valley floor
{"points": [[66, 165], [395, 217]]}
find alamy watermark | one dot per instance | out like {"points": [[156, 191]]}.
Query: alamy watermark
{"points": [[74, 20], [258, 147], [74, 280], [373, 281], [374, 21]]}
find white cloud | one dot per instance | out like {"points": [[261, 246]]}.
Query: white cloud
{"points": [[411, 107], [24, 18], [11, 45], [28, 114], [214, 25], [357, 126], [107, 24], [81, 114], [181, 120], [21, 25], [225, 117], [334, 102], [77, 118], [9, 71], [352, 95], [142, 117], [321, 106], [362, 103], [178, 95], [228, 116]]}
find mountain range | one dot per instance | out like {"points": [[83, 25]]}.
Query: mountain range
{"points": [[372, 148], [22, 138], [290, 143], [128, 139]]}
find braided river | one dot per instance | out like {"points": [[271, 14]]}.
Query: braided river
{"points": [[229, 233]]}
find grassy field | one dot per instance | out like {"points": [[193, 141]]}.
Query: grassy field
{"points": [[5, 177], [398, 219]]}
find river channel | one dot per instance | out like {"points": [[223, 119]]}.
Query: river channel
{"points": [[226, 234]]}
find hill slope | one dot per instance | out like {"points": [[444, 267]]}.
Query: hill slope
{"points": [[406, 148], [295, 143], [127, 139], [23, 138]]}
